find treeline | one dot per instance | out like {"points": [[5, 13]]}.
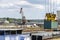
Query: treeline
{"points": [[10, 19]]}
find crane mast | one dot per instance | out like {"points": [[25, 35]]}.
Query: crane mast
{"points": [[23, 17]]}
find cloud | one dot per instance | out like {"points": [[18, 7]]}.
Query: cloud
{"points": [[14, 3], [56, 1], [9, 4], [30, 4], [3, 5], [23, 3], [38, 6], [26, 3], [51, 5], [31, 8], [55, 4]]}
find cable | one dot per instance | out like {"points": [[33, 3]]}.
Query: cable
{"points": [[45, 6]]}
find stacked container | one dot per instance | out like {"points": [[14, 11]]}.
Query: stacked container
{"points": [[50, 22], [54, 24], [47, 24]]}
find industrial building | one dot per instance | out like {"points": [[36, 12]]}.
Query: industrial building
{"points": [[58, 15]]}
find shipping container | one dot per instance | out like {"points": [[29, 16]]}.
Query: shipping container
{"points": [[47, 24], [50, 24], [54, 24]]}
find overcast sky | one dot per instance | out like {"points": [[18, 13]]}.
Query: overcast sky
{"points": [[33, 9]]}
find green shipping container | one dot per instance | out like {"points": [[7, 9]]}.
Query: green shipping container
{"points": [[54, 24]]}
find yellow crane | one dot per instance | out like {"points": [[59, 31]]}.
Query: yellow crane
{"points": [[50, 16]]}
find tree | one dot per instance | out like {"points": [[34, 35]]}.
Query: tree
{"points": [[7, 18]]}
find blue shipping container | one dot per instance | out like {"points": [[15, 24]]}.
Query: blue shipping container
{"points": [[47, 24]]}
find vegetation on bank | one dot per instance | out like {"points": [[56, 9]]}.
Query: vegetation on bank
{"points": [[19, 20]]}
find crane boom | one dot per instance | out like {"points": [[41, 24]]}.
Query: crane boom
{"points": [[21, 12]]}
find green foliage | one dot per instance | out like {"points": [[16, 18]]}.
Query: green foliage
{"points": [[11, 19]]}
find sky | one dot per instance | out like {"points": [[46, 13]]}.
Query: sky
{"points": [[32, 9]]}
